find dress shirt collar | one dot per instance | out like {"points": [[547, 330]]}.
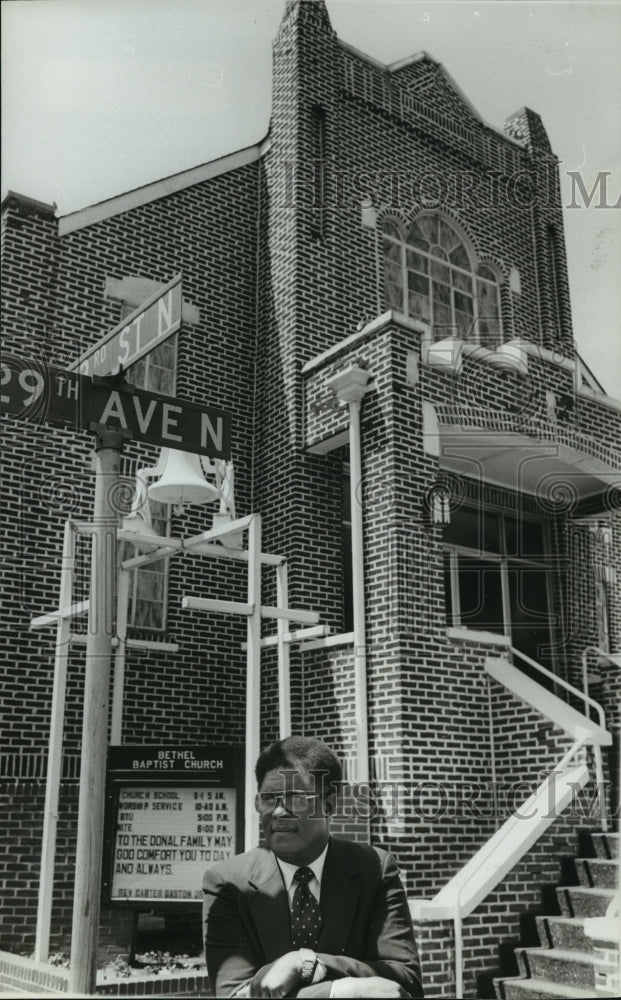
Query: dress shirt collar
{"points": [[316, 866]]}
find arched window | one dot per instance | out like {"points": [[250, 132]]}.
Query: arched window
{"points": [[429, 276]]}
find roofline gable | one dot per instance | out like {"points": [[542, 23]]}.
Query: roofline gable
{"points": [[400, 64], [148, 193]]}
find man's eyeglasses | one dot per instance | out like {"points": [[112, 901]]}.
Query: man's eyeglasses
{"points": [[293, 802]]}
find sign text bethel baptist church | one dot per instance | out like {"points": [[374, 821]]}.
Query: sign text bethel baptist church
{"points": [[166, 760]]}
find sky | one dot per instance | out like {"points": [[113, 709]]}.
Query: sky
{"points": [[102, 96]]}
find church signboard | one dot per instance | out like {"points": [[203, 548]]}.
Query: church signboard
{"points": [[171, 812]]}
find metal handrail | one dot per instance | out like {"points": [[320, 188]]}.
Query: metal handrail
{"points": [[597, 750], [457, 913], [576, 746], [568, 687], [585, 672]]}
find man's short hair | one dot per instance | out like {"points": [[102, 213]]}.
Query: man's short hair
{"points": [[305, 754]]}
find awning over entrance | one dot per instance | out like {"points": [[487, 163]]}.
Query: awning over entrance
{"points": [[561, 467]]}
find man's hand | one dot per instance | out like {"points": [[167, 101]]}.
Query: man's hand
{"points": [[368, 986], [283, 977]]}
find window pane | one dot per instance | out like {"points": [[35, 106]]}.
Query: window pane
{"points": [[346, 554], [489, 312], [440, 271], [418, 283], [419, 307], [448, 596], [443, 325], [447, 237], [391, 229], [160, 516], [156, 371], [428, 227], [460, 258], [417, 238], [438, 252], [524, 538], [464, 324], [161, 380], [441, 293], [480, 595], [164, 354], [461, 280], [530, 613], [150, 585], [489, 333], [473, 529], [488, 299], [149, 615], [463, 303], [393, 272], [392, 251], [137, 373], [393, 288], [601, 616], [417, 262]]}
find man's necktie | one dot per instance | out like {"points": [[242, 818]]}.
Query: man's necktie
{"points": [[305, 912]]}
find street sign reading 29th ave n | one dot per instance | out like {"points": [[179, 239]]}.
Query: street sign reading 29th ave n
{"points": [[41, 393]]}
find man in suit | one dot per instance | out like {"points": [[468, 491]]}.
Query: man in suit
{"points": [[307, 915]]}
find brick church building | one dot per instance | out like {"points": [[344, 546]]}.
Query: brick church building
{"points": [[377, 294]]}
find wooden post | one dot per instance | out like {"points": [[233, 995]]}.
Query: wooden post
{"points": [[55, 750], [253, 679], [284, 681], [85, 928]]}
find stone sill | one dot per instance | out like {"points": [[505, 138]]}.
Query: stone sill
{"points": [[368, 330], [476, 636], [598, 397]]}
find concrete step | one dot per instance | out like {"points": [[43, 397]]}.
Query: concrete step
{"points": [[578, 901], [521, 989], [598, 872], [606, 844], [572, 968], [562, 932]]}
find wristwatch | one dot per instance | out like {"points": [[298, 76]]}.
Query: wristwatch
{"points": [[309, 961]]}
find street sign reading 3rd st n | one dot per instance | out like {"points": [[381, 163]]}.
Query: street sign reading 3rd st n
{"points": [[139, 333], [42, 393]]}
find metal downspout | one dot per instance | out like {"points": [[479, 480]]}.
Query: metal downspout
{"points": [[350, 386]]}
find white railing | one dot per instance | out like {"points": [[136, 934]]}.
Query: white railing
{"points": [[582, 695], [588, 701], [585, 669], [481, 870], [504, 849]]}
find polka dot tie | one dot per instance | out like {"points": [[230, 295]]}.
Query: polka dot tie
{"points": [[305, 912]]}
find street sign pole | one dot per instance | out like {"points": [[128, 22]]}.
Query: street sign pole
{"points": [[114, 411], [90, 839]]}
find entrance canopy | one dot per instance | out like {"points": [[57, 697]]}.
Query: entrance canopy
{"points": [[557, 465]]}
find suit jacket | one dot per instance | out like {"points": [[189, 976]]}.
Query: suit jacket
{"points": [[366, 926]]}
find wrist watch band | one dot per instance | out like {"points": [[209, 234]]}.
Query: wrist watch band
{"points": [[309, 961]]}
